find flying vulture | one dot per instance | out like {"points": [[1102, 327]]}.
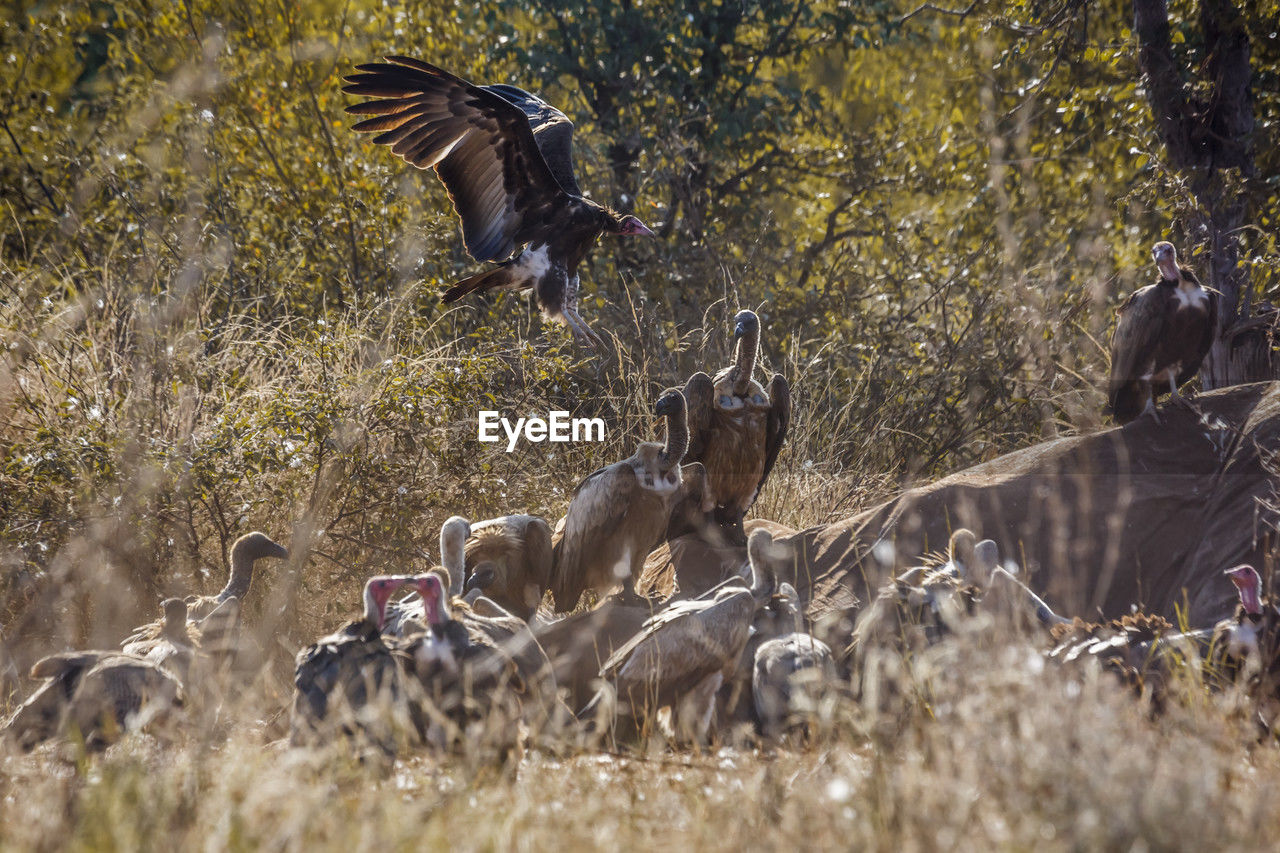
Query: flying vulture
{"points": [[618, 513], [505, 157], [1164, 332], [736, 429]]}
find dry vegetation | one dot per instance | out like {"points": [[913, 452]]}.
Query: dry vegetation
{"points": [[217, 307]]}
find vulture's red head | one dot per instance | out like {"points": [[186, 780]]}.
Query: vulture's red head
{"points": [[377, 591], [629, 226], [434, 602], [1248, 587], [1166, 260]]}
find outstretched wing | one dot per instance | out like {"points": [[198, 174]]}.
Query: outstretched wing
{"points": [[776, 424], [479, 143], [552, 130], [1138, 331], [598, 508]]}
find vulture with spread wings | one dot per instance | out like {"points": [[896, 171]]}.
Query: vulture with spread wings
{"points": [[505, 157]]}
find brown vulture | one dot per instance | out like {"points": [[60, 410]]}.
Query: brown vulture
{"points": [[680, 658], [505, 157], [736, 429], [101, 694], [618, 513], [1164, 332], [509, 559]]}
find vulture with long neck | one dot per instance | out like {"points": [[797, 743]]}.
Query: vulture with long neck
{"points": [[505, 157], [175, 645], [1163, 334], [679, 659], [351, 682], [510, 560], [216, 618], [736, 429], [408, 614], [102, 694], [618, 514]]}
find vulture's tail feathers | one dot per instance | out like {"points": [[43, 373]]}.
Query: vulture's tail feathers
{"points": [[498, 278], [1126, 401]]}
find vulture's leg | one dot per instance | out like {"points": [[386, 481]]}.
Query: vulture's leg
{"points": [[1151, 409], [581, 330], [696, 710]]}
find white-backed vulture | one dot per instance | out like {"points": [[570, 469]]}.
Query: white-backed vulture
{"points": [[504, 156], [1163, 334], [215, 619], [101, 694], [510, 560], [618, 514], [679, 659], [790, 675], [350, 682], [736, 429]]}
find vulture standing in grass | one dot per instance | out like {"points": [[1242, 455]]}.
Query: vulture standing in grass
{"points": [[736, 429], [1164, 332], [789, 675], [473, 674], [680, 658], [216, 615], [505, 157], [174, 645], [102, 694], [407, 614], [509, 559], [339, 676], [618, 514]]}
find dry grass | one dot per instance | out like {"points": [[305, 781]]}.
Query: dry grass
{"points": [[1008, 754]]}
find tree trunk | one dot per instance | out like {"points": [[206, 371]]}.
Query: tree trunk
{"points": [[1205, 118]]}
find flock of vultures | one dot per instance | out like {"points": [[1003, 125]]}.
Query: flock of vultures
{"points": [[494, 644]]}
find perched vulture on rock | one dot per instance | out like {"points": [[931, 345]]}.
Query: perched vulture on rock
{"points": [[1164, 332], [679, 659], [350, 682], [736, 429], [618, 514], [505, 157]]}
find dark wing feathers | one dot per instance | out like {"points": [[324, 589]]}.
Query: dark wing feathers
{"points": [[552, 130], [1138, 331], [699, 398], [1191, 366], [479, 142], [776, 425]]}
